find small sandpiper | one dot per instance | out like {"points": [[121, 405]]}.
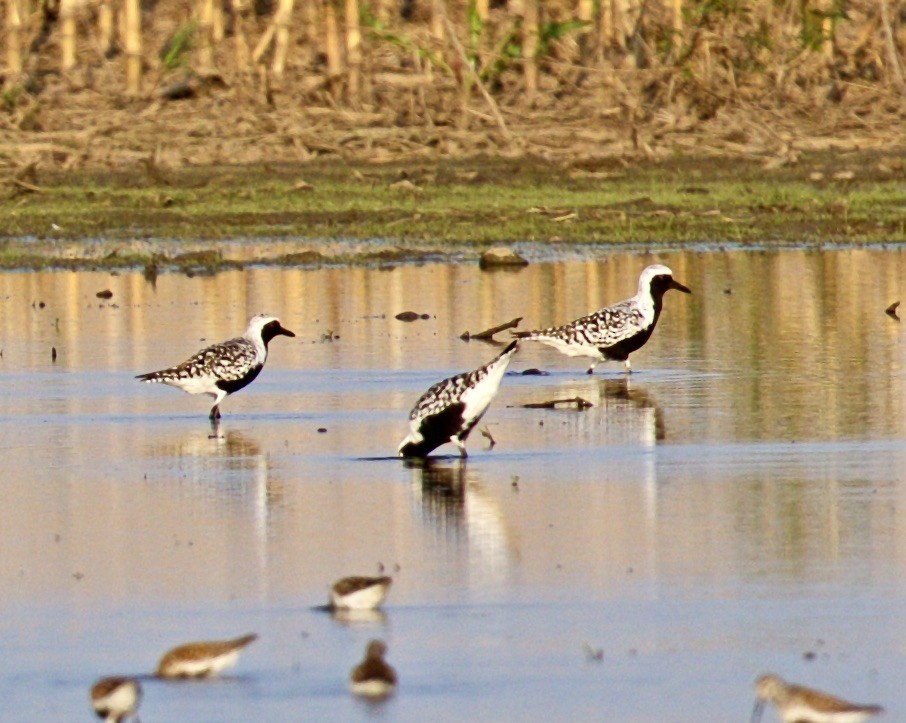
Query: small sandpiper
{"points": [[614, 332], [202, 659], [797, 704], [373, 677], [359, 593], [115, 699], [221, 369], [449, 410]]}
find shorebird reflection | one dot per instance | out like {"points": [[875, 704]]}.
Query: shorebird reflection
{"points": [[459, 509], [646, 419]]}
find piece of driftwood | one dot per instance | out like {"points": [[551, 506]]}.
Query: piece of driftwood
{"points": [[489, 333], [891, 310], [554, 403]]}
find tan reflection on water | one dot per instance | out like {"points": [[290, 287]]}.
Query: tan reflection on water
{"points": [[107, 497]]}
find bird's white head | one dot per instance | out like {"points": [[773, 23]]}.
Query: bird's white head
{"points": [[657, 279], [265, 327]]}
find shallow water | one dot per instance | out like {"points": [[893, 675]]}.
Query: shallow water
{"points": [[736, 504]]}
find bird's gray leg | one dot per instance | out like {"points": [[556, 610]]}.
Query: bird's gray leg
{"points": [[215, 412], [462, 447], [628, 366]]}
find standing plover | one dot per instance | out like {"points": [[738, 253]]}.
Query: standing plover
{"points": [[797, 704], [449, 410], [115, 699], [373, 677], [203, 659], [359, 593], [614, 332], [221, 369]]}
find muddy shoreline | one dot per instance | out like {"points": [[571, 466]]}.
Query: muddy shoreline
{"points": [[208, 218]]}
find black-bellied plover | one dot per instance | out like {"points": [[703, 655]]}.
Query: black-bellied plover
{"points": [[373, 677], [221, 369], [449, 410], [805, 705], [204, 659], [614, 332]]}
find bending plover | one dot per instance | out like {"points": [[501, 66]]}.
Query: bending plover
{"points": [[115, 699], [449, 410], [203, 659], [221, 369], [796, 703], [359, 593], [373, 677], [614, 332]]}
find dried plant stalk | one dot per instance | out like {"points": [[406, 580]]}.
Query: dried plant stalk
{"points": [[206, 34], [623, 25], [438, 13], [605, 22], [240, 43], [890, 41], [13, 37], [469, 72], [585, 13], [217, 30], [105, 26], [133, 45], [281, 36], [311, 23], [530, 47], [68, 34], [482, 9], [332, 43], [677, 19], [353, 52]]}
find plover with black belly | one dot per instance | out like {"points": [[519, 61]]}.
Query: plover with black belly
{"points": [[373, 677], [449, 410], [359, 593], [221, 369], [614, 332], [202, 659], [798, 704], [115, 699]]}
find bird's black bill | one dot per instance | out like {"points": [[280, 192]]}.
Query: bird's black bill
{"points": [[674, 284], [272, 329]]}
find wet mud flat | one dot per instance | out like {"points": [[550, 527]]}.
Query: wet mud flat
{"points": [[733, 507]]}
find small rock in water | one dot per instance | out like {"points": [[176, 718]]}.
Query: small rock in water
{"points": [[501, 256], [410, 316], [105, 294], [535, 372]]}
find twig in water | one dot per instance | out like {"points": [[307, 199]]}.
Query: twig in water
{"points": [[554, 403], [488, 334]]}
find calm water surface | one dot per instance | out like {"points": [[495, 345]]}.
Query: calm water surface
{"points": [[735, 505]]}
